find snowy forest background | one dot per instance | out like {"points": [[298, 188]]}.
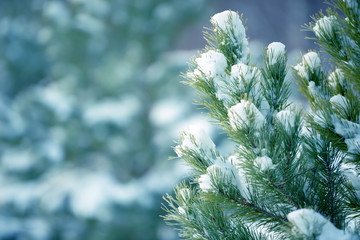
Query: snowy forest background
{"points": [[91, 102]]}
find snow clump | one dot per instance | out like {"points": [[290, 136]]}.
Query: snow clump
{"points": [[324, 25], [211, 63], [244, 72], [195, 139], [264, 163], [310, 62], [335, 76], [230, 23], [339, 100], [240, 115], [286, 118], [275, 50], [310, 223]]}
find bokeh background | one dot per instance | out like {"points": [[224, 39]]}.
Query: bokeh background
{"points": [[91, 104]]}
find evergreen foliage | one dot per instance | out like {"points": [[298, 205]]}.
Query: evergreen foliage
{"points": [[294, 173]]}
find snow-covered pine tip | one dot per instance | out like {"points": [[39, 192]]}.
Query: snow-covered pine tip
{"points": [[240, 115], [229, 22], [350, 131], [310, 63], [286, 118], [335, 77], [264, 163], [339, 101], [312, 60], [350, 171], [325, 26], [275, 51], [245, 188], [211, 63], [195, 139], [244, 72], [224, 170], [311, 224]]}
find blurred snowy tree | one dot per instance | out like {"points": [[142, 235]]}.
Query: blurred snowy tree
{"points": [[84, 91]]}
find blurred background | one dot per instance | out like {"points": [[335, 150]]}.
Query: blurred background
{"points": [[91, 104]]}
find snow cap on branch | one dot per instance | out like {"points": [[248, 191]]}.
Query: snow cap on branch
{"points": [[230, 23], [241, 114], [264, 163], [324, 26], [211, 63], [312, 59], [350, 172], [310, 63], [234, 176], [242, 71], [310, 223], [228, 20], [339, 100], [275, 50], [219, 166], [286, 118], [243, 184], [336, 76], [195, 139]]}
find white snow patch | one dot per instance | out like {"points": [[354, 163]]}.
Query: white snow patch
{"points": [[195, 139], [211, 63], [301, 71], [205, 183], [310, 62], [230, 23], [339, 100], [244, 72], [227, 19], [243, 184], [286, 118], [312, 59], [264, 163], [353, 144], [310, 223], [312, 88], [239, 115], [345, 128], [324, 25], [353, 176], [181, 210], [275, 50], [350, 131], [307, 221], [229, 171], [336, 76]]}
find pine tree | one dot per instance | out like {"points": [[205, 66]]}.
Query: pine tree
{"points": [[294, 172]]}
